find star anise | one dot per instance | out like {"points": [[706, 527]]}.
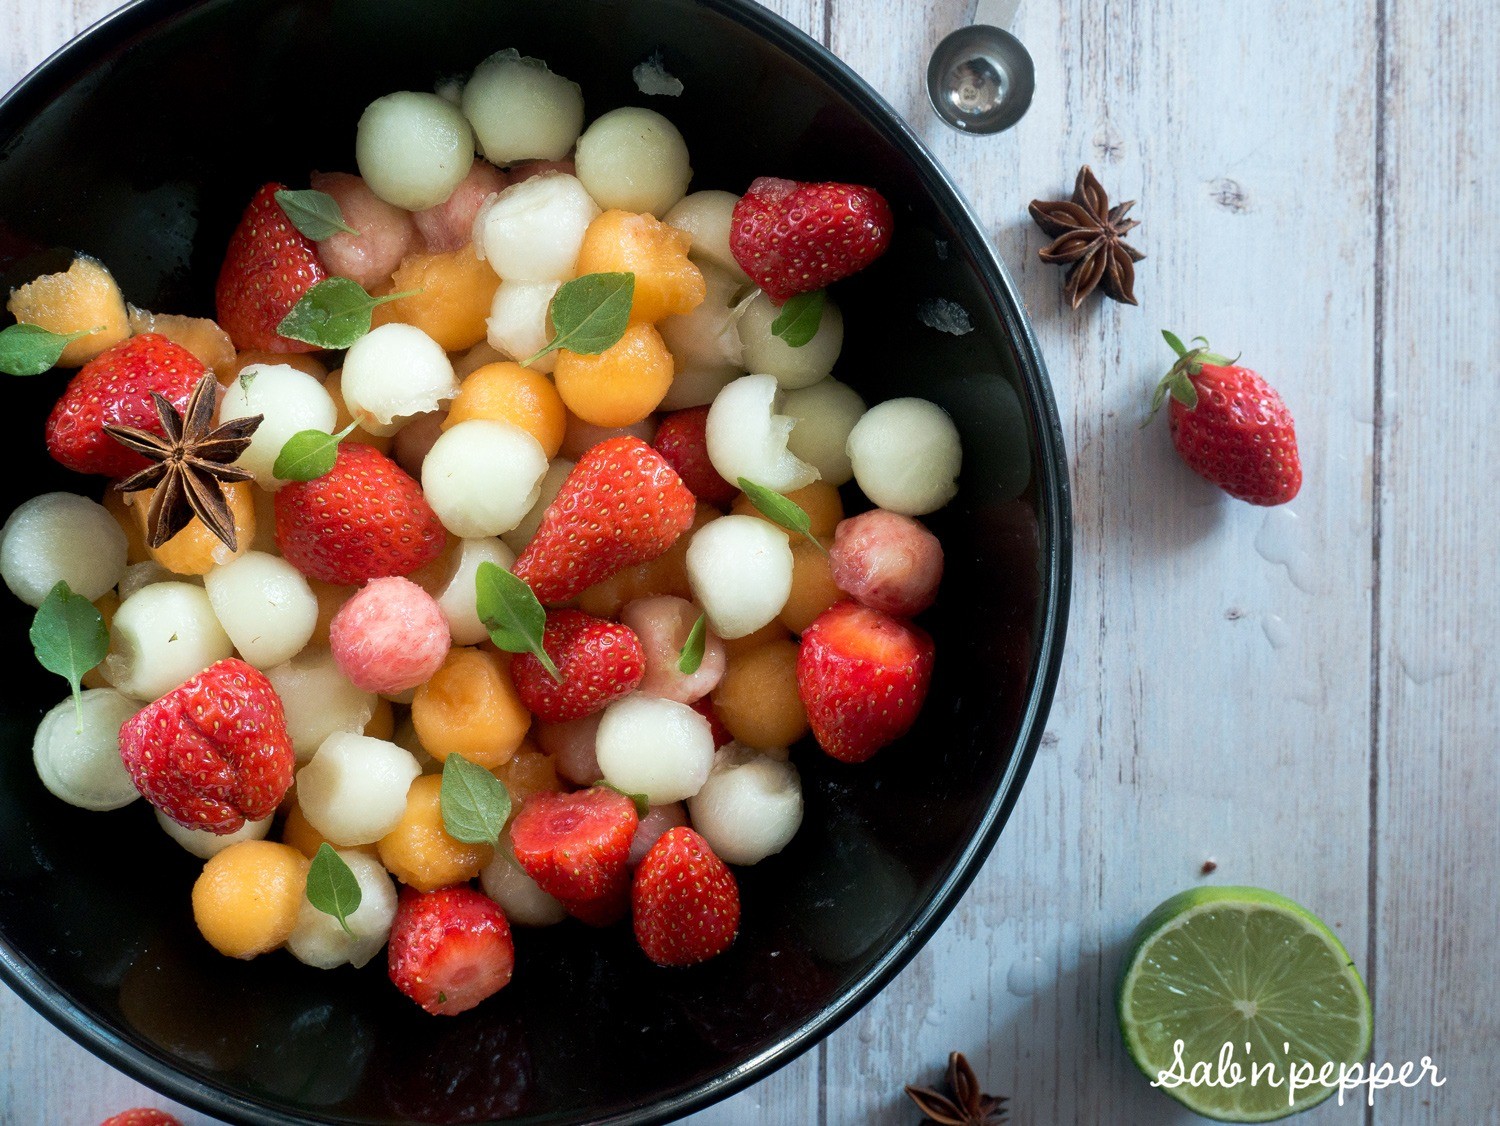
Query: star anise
{"points": [[1089, 233], [969, 1106], [191, 465]]}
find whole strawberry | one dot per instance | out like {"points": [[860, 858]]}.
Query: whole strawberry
{"points": [[621, 505], [575, 846], [449, 949], [268, 266], [214, 752], [599, 661], [793, 238], [366, 518], [682, 440], [862, 676], [684, 900], [114, 389], [1230, 426]]}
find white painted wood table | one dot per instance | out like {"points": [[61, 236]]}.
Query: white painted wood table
{"points": [[1305, 695]]}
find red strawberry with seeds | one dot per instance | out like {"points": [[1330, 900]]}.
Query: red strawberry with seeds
{"points": [[681, 439], [685, 901], [268, 266], [575, 846], [599, 660], [793, 238], [1230, 426], [142, 1116], [214, 752], [449, 949], [862, 676], [621, 505], [366, 518], [605, 911], [114, 388], [704, 706]]}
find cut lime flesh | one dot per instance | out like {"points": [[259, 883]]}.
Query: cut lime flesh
{"points": [[1251, 969]]}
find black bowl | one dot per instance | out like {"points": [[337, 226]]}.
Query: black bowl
{"points": [[140, 143]]}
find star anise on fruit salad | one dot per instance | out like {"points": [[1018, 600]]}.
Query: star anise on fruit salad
{"points": [[1087, 232], [968, 1106], [191, 465]]}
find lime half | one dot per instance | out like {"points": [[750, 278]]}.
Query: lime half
{"points": [[1244, 979]]}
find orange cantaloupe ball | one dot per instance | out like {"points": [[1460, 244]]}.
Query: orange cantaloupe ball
{"points": [[758, 699], [813, 588], [666, 282], [528, 772], [246, 899], [449, 297], [195, 550], [419, 852], [81, 298], [203, 337], [820, 500], [470, 707], [507, 392], [621, 385], [298, 832]]}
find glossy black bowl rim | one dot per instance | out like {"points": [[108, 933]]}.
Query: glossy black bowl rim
{"points": [[84, 52]]}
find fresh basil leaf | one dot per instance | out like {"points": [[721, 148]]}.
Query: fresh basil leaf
{"points": [[798, 321], [691, 655], [27, 349], [309, 454], [332, 314], [70, 638], [475, 803], [331, 886], [779, 510], [589, 314], [316, 214], [512, 615]]}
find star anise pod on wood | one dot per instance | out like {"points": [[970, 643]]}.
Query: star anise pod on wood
{"points": [[969, 1106], [191, 465], [1087, 232]]}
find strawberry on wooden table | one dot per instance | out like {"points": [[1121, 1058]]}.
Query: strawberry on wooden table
{"points": [[862, 676], [214, 752], [575, 846], [684, 901], [268, 266], [450, 949], [599, 660], [682, 440], [792, 237]]}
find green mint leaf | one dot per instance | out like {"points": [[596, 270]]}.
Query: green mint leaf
{"points": [[798, 321], [691, 655], [332, 314], [308, 454], [27, 349], [475, 803], [642, 803], [331, 886], [780, 511], [315, 214], [70, 638], [512, 615], [589, 314], [1174, 342]]}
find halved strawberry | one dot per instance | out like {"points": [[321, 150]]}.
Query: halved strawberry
{"points": [[575, 846], [599, 660], [268, 266], [685, 901], [449, 949]]}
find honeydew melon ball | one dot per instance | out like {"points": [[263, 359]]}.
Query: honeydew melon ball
{"points": [[288, 400], [320, 940], [413, 148], [746, 437], [205, 844], [524, 903], [704, 342], [709, 217], [77, 750], [532, 231], [826, 414], [634, 159], [265, 605], [517, 324], [61, 537], [392, 373], [482, 476], [354, 789], [906, 456], [551, 484], [520, 110], [659, 748], [457, 599], [162, 635], [740, 571], [750, 807], [792, 367], [318, 700], [146, 572]]}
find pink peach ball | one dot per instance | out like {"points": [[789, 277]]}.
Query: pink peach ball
{"points": [[887, 562], [389, 636], [386, 233], [450, 225]]}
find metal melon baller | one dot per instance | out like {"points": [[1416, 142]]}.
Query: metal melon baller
{"points": [[980, 78]]}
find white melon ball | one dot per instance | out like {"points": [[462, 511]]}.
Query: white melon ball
{"points": [[288, 401], [551, 484], [709, 217], [517, 324], [659, 820], [825, 414], [205, 845], [457, 598], [265, 605], [573, 747], [662, 623], [354, 789], [413, 149], [520, 110], [393, 372], [146, 572], [532, 231], [746, 437], [77, 750], [162, 635], [906, 456], [318, 700], [655, 747], [792, 367], [482, 476], [320, 940], [634, 159], [507, 883], [61, 537], [740, 569], [750, 807]]}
